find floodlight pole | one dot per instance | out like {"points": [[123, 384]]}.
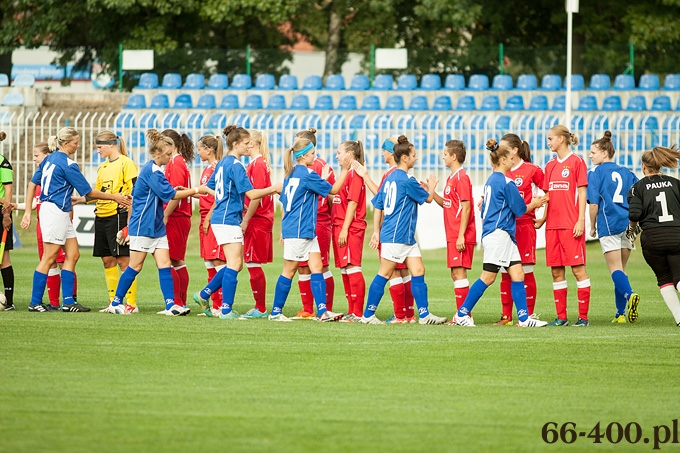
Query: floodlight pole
{"points": [[572, 7]]}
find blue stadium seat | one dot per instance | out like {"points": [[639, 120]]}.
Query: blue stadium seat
{"points": [[649, 82], [599, 82], [371, 141], [288, 82], [442, 103], [502, 124], [160, 101], [241, 82], [137, 139], [360, 82], [241, 119], [263, 121], [287, 121], [195, 121], [549, 121], [171, 81], [661, 103], [515, 102], [527, 121], [335, 82], [310, 120], [348, 102], [218, 82], [559, 103], [466, 103], [370, 102], [135, 101], [454, 82], [478, 122], [183, 101], [229, 101], [502, 82], [418, 103], [599, 123], [24, 80], [276, 102], [612, 103], [323, 102], [526, 82], [477, 160], [383, 82], [125, 120], [394, 102], [265, 82], [407, 82], [490, 102], [299, 102], [382, 121], [577, 82], [4, 80], [671, 82], [454, 123], [431, 82], [253, 101], [148, 81], [405, 122], [358, 122], [587, 102], [170, 121], [538, 141], [312, 82], [624, 82], [420, 142], [194, 82], [206, 101], [551, 82], [430, 122], [649, 123], [478, 82], [624, 123], [577, 124], [637, 103], [148, 120], [538, 102]]}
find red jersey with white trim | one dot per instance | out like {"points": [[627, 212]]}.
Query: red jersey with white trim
{"points": [[354, 189], [260, 177], [387, 173], [562, 180], [324, 213], [177, 174], [458, 188], [527, 176], [206, 201]]}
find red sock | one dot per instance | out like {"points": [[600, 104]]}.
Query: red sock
{"points": [[346, 286], [305, 285], [214, 296], [183, 284], [258, 283], [175, 283], [560, 294], [54, 288], [398, 299], [330, 290], [506, 295], [408, 297], [358, 287], [583, 295], [460, 290], [530, 284]]}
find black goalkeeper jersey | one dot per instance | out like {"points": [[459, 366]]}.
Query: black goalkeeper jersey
{"points": [[654, 202]]}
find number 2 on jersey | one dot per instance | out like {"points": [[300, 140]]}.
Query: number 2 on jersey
{"points": [[617, 197], [290, 189]]}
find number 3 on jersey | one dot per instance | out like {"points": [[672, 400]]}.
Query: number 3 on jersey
{"points": [[290, 189], [390, 189]]}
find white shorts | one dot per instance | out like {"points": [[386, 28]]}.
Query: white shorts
{"points": [[616, 242], [499, 249], [227, 234], [295, 249], [147, 244], [56, 225], [398, 253]]}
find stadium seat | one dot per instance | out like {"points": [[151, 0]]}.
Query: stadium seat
{"points": [[125, 120], [649, 123], [229, 101], [171, 81], [560, 102], [577, 82], [312, 82], [671, 82], [649, 82], [170, 121], [637, 103], [335, 82], [383, 121], [276, 102], [253, 101], [241, 119], [407, 82], [538, 141], [323, 102], [206, 101], [183, 101], [17, 99], [383, 82], [612, 103], [299, 102], [218, 82], [24, 80], [624, 123], [148, 120], [526, 82], [430, 121], [195, 121], [442, 103], [405, 122], [4, 80], [624, 82], [287, 121], [137, 139], [538, 102], [394, 102], [265, 82], [194, 82], [502, 82], [135, 101], [551, 82], [454, 82], [599, 82], [490, 102], [431, 82], [661, 103], [599, 123], [160, 101], [478, 82], [288, 82], [148, 81], [370, 102], [514, 102], [241, 82], [587, 102], [577, 124], [527, 121], [310, 120], [358, 122], [348, 102], [418, 103], [466, 103], [360, 82], [263, 121]]}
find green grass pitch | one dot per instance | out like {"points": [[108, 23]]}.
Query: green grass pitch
{"points": [[83, 382]]}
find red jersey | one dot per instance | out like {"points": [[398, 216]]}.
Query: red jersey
{"points": [[206, 201], [387, 173], [36, 197], [324, 215], [354, 189], [458, 188], [178, 174], [527, 176], [562, 180], [260, 177]]}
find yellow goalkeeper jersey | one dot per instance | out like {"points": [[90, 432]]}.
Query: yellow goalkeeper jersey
{"points": [[115, 176]]}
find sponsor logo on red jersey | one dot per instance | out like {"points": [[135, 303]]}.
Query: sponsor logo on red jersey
{"points": [[559, 185], [447, 203]]}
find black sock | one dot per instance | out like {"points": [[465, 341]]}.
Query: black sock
{"points": [[8, 281]]}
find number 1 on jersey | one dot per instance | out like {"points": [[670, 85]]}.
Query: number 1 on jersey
{"points": [[665, 216]]}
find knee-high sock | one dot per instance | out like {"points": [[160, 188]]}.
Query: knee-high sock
{"points": [[530, 286], [475, 293], [671, 298], [506, 295], [75, 286], [67, 284], [131, 294], [229, 281], [375, 293], [460, 290], [54, 286], [8, 281], [560, 294], [345, 287], [183, 274], [330, 289], [305, 286], [398, 297], [621, 287], [419, 288], [583, 295], [176, 286], [216, 296], [167, 286], [39, 282], [318, 284], [111, 277], [281, 291], [358, 291], [408, 297], [258, 283], [519, 295], [213, 285], [124, 283]]}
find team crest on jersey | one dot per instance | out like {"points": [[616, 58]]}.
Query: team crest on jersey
{"points": [[518, 181], [447, 190], [204, 180], [565, 172]]}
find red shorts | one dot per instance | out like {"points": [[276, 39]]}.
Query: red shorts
{"points": [[210, 249], [399, 265], [61, 256], [178, 235], [526, 242], [352, 251], [258, 244], [563, 249], [323, 236], [454, 258]]}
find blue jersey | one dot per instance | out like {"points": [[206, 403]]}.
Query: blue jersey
{"points": [[399, 198], [608, 186], [58, 176], [502, 205], [230, 182], [299, 198], [151, 190]]}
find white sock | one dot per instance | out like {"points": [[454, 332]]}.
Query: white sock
{"points": [[671, 298]]}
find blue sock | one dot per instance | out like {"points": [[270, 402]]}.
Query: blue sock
{"points": [[39, 284], [319, 291], [475, 293], [215, 284], [621, 283], [519, 295], [124, 284], [375, 293], [68, 280], [419, 290], [621, 302], [167, 286], [229, 282], [280, 294]]}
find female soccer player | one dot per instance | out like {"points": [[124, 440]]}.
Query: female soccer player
{"points": [[608, 186], [258, 222], [527, 177], [58, 175], [501, 206], [566, 178], [177, 215], [459, 219], [230, 184], [6, 269], [146, 228], [349, 226], [399, 198], [301, 188], [654, 206]]}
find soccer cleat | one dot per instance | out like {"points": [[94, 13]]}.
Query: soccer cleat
{"points": [[279, 318], [75, 307], [129, 309], [305, 315], [254, 313], [394, 320], [38, 308], [370, 320], [175, 310], [504, 321], [632, 307], [619, 319], [411, 319], [559, 323], [431, 319], [215, 312], [532, 323], [204, 304], [115, 309], [581, 323], [464, 321], [51, 307], [350, 318], [232, 316], [535, 316], [9, 307], [329, 316]]}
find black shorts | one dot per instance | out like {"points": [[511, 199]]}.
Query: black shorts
{"points": [[661, 250], [105, 231]]}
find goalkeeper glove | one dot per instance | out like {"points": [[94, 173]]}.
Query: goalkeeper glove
{"points": [[122, 237], [632, 232]]}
